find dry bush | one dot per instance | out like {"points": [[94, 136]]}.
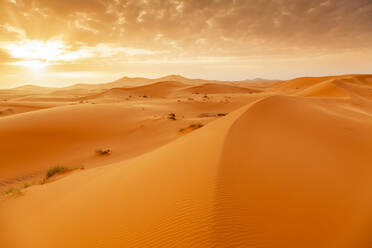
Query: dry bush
{"points": [[172, 116], [105, 151], [56, 170]]}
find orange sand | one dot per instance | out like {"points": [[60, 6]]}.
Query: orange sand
{"points": [[289, 166]]}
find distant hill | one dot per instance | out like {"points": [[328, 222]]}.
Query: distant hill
{"points": [[129, 82]]}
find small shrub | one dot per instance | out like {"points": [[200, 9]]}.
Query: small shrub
{"points": [[9, 191], [204, 115], [56, 170], [172, 116], [106, 151], [12, 191], [192, 127], [195, 126], [26, 185]]}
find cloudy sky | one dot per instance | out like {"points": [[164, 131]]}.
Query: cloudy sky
{"points": [[60, 42]]}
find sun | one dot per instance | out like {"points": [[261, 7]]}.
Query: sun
{"points": [[36, 54], [32, 64]]}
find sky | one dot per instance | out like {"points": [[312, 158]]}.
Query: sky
{"points": [[63, 42]]}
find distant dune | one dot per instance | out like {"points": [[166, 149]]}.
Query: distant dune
{"points": [[213, 88], [159, 89], [139, 81], [284, 164]]}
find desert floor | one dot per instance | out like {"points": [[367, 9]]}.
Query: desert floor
{"points": [[190, 163]]}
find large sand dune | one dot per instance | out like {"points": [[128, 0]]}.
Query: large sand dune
{"points": [[288, 167]]}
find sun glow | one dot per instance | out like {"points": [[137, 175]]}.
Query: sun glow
{"points": [[32, 64], [36, 49], [36, 54]]}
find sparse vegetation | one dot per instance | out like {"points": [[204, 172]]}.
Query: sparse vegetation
{"points": [[26, 185], [9, 191], [12, 191], [105, 151], [56, 170], [199, 125], [59, 170], [204, 115], [172, 116], [192, 127]]}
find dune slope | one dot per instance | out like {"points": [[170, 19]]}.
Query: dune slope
{"points": [[159, 89], [210, 88], [70, 135]]}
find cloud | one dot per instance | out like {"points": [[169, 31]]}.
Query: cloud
{"points": [[103, 32], [228, 27], [10, 29]]}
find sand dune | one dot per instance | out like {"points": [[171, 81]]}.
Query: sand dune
{"points": [[14, 107], [70, 135], [159, 89], [128, 82], [210, 88], [33, 88], [51, 134], [326, 88], [287, 168], [305, 82]]}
